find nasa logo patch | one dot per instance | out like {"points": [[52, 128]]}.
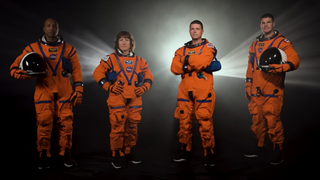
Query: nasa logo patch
{"points": [[129, 69], [53, 56], [260, 50]]}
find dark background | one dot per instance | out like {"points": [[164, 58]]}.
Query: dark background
{"points": [[159, 28]]}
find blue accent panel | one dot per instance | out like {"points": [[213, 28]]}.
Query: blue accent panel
{"points": [[201, 48], [185, 100], [266, 95], [204, 101], [31, 48], [291, 65], [40, 102], [66, 101], [45, 58], [70, 52], [15, 67], [118, 107], [184, 50], [122, 70], [273, 41], [135, 107], [73, 54]]}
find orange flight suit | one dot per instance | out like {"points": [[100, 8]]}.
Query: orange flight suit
{"points": [[195, 95], [125, 108], [265, 107], [53, 91]]}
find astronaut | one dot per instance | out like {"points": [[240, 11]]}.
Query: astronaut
{"points": [[126, 77], [195, 62], [54, 95], [264, 89]]}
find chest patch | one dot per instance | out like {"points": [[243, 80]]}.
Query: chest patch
{"points": [[53, 56], [128, 62], [129, 69], [53, 50], [191, 52]]}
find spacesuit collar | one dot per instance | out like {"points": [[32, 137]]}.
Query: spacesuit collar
{"points": [[190, 45], [261, 38], [119, 53], [44, 41]]}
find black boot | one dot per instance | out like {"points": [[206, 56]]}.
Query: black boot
{"points": [[118, 161], [209, 159], [276, 156], [256, 152], [67, 160], [132, 158], [44, 161], [182, 155]]}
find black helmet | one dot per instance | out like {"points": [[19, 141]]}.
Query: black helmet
{"points": [[271, 55], [33, 63]]}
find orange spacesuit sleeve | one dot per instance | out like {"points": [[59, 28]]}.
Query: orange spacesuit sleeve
{"points": [[292, 57], [250, 67], [15, 65], [147, 74], [76, 74], [176, 65], [99, 74], [202, 60]]}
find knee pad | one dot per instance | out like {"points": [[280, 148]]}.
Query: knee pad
{"points": [[181, 113], [118, 118], [203, 113]]}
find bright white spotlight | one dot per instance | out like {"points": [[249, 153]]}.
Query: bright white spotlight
{"points": [[90, 51]]}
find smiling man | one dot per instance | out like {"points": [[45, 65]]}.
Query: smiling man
{"points": [[54, 95], [195, 95], [264, 87]]}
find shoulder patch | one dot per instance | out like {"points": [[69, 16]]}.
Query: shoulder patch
{"points": [[210, 45], [105, 58], [286, 40]]}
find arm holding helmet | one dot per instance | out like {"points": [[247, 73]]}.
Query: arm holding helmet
{"points": [[105, 77], [15, 70], [292, 62]]}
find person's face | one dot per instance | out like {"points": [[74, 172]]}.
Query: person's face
{"points": [[124, 44], [266, 25], [195, 31], [51, 28]]}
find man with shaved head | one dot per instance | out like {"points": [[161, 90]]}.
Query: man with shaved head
{"points": [[54, 95]]}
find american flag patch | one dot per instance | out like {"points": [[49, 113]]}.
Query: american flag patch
{"points": [[210, 45]]}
